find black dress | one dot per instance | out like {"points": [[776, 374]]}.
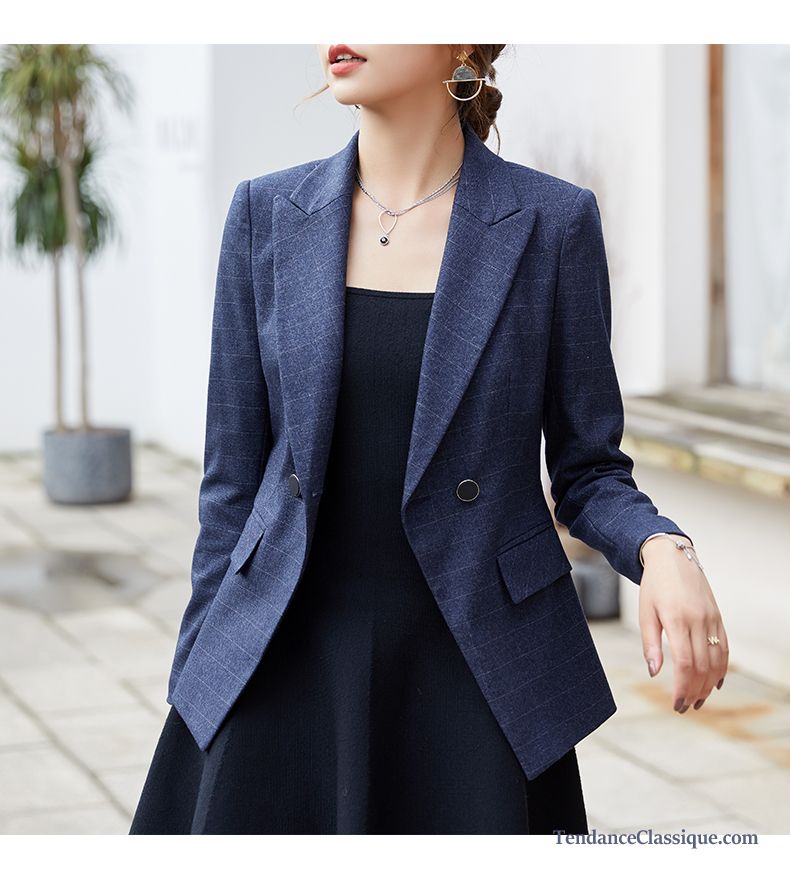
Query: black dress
{"points": [[363, 715]]}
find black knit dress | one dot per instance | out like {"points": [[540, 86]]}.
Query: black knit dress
{"points": [[363, 715]]}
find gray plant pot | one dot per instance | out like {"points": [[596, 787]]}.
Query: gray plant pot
{"points": [[598, 586], [88, 467]]}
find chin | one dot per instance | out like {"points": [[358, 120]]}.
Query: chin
{"points": [[346, 99]]}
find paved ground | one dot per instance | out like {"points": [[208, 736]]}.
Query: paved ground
{"points": [[83, 680]]}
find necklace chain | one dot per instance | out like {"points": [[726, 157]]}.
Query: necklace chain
{"points": [[440, 190], [385, 210]]}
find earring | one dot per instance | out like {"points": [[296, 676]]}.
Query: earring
{"points": [[463, 73]]}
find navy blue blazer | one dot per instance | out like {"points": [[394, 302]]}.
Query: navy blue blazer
{"points": [[518, 343]]}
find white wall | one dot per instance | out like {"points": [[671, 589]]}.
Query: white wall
{"points": [[630, 123], [683, 301], [624, 120], [757, 214]]}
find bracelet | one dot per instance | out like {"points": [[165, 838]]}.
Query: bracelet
{"points": [[688, 550]]}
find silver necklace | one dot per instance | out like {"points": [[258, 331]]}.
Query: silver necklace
{"points": [[385, 237]]}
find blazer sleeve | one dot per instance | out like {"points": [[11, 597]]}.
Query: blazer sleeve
{"points": [[595, 495], [238, 430]]}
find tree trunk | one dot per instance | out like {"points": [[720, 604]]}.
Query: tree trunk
{"points": [[68, 175], [58, 324]]}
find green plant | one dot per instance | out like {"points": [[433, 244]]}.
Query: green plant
{"points": [[48, 105]]}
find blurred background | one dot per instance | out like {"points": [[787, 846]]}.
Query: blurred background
{"points": [[107, 322]]}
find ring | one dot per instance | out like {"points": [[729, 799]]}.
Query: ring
{"points": [[713, 640]]}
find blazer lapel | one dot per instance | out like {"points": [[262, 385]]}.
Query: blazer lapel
{"points": [[310, 249]]}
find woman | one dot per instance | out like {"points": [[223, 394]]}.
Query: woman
{"points": [[384, 635]]}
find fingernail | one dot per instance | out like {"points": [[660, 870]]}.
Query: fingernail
{"points": [[651, 667], [678, 704], [720, 682], [699, 703], [684, 709]]}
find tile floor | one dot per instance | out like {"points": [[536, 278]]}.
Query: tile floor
{"points": [[82, 689]]}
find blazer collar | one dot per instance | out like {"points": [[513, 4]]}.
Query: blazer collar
{"points": [[484, 187], [487, 233]]}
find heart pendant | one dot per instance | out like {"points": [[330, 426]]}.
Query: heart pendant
{"points": [[384, 240]]}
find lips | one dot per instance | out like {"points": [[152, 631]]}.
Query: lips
{"points": [[341, 49]]}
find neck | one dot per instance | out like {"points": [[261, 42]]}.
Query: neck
{"points": [[405, 157]]}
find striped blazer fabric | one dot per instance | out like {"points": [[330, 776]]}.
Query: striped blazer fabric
{"points": [[517, 349]]}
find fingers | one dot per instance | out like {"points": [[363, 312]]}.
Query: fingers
{"points": [[680, 647], [716, 657], [650, 627], [703, 666], [714, 673], [699, 666], [723, 654], [689, 616]]}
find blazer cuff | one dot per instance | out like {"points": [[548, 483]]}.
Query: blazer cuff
{"points": [[637, 533], [654, 536]]}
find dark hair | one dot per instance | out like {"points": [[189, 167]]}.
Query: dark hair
{"points": [[479, 113]]}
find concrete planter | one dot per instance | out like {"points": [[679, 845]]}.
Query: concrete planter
{"points": [[598, 586], [90, 467]]}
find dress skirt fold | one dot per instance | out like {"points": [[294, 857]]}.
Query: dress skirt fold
{"points": [[362, 716]]}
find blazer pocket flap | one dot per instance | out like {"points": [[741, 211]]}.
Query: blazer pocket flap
{"points": [[250, 536], [533, 561]]}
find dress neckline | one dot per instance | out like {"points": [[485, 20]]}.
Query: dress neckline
{"points": [[377, 292]]}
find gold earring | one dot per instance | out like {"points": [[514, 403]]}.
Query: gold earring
{"points": [[462, 74]]}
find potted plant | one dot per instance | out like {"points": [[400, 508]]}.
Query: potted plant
{"points": [[48, 97]]}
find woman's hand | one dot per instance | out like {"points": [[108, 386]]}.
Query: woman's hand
{"points": [[675, 596]]}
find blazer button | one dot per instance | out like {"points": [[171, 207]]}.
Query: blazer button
{"points": [[293, 484], [467, 490]]}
